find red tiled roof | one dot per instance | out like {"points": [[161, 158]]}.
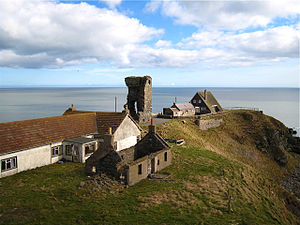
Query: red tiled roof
{"points": [[105, 120], [25, 134]]}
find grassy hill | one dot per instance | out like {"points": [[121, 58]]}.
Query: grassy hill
{"points": [[225, 175]]}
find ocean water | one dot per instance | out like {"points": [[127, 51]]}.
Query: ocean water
{"points": [[29, 103]]}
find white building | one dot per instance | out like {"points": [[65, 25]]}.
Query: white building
{"points": [[73, 136]]}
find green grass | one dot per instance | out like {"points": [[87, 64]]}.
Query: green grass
{"points": [[204, 188]]}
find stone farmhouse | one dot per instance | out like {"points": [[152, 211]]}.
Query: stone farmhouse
{"points": [[74, 136], [133, 164], [203, 102]]}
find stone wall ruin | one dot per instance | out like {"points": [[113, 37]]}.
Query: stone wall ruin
{"points": [[139, 98]]}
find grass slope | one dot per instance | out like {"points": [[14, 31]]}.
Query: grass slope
{"points": [[205, 187]]}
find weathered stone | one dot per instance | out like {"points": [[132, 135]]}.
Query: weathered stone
{"points": [[139, 98], [81, 184]]}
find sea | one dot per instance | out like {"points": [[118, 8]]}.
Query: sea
{"points": [[29, 103]]}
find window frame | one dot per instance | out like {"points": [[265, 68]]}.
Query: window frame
{"points": [[56, 150], [12, 161], [140, 169], [90, 146]]}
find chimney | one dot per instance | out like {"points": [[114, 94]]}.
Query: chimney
{"points": [[152, 128], [205, 94], [108, 138]]}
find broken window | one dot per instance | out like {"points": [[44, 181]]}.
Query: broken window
{"points": [[56, 150], [140, 169], [166, 156], [90, 148], [8, 164]]}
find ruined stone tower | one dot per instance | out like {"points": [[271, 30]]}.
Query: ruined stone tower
{"points": [[139, 98]]}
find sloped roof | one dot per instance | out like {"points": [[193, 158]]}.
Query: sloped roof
{"points": [[104, 120], [183, 106], [210, 99], [25, 134]]}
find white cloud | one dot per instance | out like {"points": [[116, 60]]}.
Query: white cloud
{"points": [[230, 15], [111, 3], [272, 43], [163, 44], [39, 33]]}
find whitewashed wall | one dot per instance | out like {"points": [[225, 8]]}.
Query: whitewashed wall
{"points": [[28, 159], [126, 134]]}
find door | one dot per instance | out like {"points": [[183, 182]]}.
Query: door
{"points": [[153, 165], [75, 153]]}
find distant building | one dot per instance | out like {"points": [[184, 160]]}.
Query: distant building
{"points": [[74, 136], [180, 110], [204, 102]]}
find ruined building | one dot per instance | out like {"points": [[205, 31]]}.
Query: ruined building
{"points": [[139, 98], [150, 155]]}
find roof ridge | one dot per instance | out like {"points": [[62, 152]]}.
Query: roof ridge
{"points": [[43, 118]]}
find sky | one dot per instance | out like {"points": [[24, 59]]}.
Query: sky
{"points": [[179, 43]]}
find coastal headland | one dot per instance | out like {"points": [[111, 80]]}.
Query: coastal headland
{"points": [[236, 173]]}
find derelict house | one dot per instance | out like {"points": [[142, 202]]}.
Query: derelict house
{"points": [[151, 154], [204, 102], [74, 136]]}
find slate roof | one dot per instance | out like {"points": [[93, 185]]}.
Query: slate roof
{"points": [[183, 106], [19, 135], [210, 100], [80, 140]]}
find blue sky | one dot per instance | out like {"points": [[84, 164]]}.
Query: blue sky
{"points": [[178, 43]]}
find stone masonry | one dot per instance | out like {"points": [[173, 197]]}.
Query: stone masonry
{"points": [[139, 98]]}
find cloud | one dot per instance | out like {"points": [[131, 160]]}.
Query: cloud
{"points": [[111, 3], [230, 15], [41, 33], [163, 44], [270, 44]]}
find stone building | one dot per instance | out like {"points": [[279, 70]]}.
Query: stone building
{"points": [[74, 136], [204, 102], [133, 164], [139, 98], [185, 109]]}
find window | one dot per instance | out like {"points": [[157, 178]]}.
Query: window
{"points": [[90, 148], [166, 156], [199, 101], [138, 138], [8, 164], [140, 169], [194, 101], [56, 150], [68, 149], [158, 162], [115, 145]]}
